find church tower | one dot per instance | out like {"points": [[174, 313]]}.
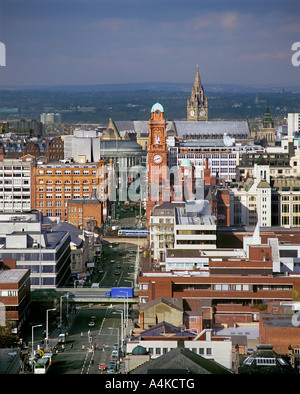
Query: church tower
{"points": [[158, 185], [197, 108], [265, 134]]}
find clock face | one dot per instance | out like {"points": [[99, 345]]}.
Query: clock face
{"points": [[192, 113], [201, 113], [157, 159]]}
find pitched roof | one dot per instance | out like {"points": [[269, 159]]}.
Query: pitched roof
{"points": [[263, 185], [181, 360], [176, 303], [163, 328]]}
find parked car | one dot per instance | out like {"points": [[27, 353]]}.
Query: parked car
{"points": [[91, 324], [102, 367]]}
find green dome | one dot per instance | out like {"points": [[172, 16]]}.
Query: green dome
{"points": [[158, 107], [186, 163], [139, 350]]}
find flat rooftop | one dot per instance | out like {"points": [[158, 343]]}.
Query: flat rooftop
{"points": [[12, 276]]}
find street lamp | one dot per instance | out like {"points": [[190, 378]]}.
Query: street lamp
{"points": [[48, 310], [39, 325], [125, 313], [60, 319], [122, 332]]}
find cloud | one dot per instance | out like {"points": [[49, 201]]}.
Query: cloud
{"points": [[230, 20], [97, 41]]}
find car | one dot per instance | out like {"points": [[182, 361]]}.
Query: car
{"points": [[102, 367], [100, 271], [116, 346], [111, 370], [62, 338], [117, 272], [112, 261], [91, 324], [118, 265], [115, 352]]}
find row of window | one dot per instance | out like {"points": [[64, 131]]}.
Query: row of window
{"points": [[232, 287], [67, 172], [8, 293], [163, 350], [67, 181]]}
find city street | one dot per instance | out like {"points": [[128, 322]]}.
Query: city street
{"points": [[83, 351]]}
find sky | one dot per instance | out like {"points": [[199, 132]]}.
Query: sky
{"points": [[90, 42]]}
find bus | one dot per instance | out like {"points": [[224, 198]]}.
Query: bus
{"points": [[42, 365], [133, 233]]}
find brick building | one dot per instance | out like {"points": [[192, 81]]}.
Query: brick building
{"points": [[14, 293], [46, 149], [86, 212], [57, 183], [280, 326], [238, 283], [234, 298]]}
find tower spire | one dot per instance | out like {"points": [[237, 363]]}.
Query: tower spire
{"points": [[197, 104], [197, 82]]}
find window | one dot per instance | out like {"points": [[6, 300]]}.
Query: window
{"points": [[265, 361], [8, 293], [222, 287], [285, 208]]}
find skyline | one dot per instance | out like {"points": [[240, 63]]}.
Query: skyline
{"points": [[136, 41]]}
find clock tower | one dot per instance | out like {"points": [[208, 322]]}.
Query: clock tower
{"points": [[197, 108], [158, 185]]}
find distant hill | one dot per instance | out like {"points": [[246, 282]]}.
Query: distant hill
{"points": [[154, 86]]}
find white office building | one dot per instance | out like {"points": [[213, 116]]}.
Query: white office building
{"points": [[293, 123], [16, 184]]}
